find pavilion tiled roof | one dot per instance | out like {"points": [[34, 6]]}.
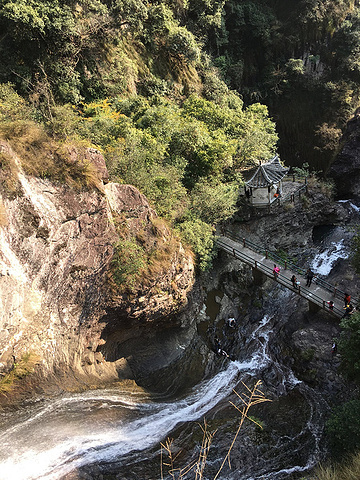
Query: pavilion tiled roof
{"points": [[266, 174]]}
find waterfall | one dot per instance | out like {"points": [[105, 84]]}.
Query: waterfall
{"points": [[53, 438], [325, 260], [332, 247]]}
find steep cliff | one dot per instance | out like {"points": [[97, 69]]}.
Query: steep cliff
{"points": [[345, 169], [57, 291]]}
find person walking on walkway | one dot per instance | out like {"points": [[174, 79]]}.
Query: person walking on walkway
{"points": [[294, 281], [347, 299], [276, 271], [309, 277]]}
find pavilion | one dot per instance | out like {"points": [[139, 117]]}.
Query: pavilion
{"points": [[264, 184]]}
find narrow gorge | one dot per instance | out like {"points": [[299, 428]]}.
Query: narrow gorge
{"points": [[115, 373]]}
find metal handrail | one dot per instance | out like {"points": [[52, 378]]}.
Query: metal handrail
{"points": [[300, 290], [337, 293]]}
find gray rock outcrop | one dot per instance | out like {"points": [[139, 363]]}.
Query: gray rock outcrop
{"points": [[56, 292], [346, 168]]}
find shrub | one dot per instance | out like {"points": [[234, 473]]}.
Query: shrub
{"points": [[349, 346], [343, 429], [200, 236], [128, 261], [182, 44], [25, 366], [214, 202], [13, 106]]}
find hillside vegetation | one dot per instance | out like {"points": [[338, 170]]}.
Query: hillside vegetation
{"points": [[130, 79], [176, 93], [301, 58]]}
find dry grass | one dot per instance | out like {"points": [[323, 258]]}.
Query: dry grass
{"points": [[23, 368], [3, 215], [349, 470], [251, 396], [160, 259], [9, 182], [41, 156]]}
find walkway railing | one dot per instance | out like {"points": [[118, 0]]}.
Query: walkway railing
{"points": [[287, 265]]}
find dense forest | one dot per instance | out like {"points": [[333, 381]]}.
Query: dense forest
{"points": [[177, 94], [180, 96]]}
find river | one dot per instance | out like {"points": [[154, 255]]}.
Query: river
{"points": [[48, 439]]}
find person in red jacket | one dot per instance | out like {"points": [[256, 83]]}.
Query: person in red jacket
{"points": [[347, 299]]}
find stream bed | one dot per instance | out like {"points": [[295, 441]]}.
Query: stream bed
{"points": [[111, 431]]}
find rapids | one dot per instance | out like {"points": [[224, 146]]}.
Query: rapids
{"points": [[50, 438]]}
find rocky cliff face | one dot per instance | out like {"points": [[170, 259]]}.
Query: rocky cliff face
{"points": [[345, 169], [290, 227], [56, 296]]}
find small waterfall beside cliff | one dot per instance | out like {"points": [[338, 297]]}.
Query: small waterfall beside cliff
{"points": [[332, 243]]}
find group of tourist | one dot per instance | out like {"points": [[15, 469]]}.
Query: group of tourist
{"points": [[310, 275], [348, 307]]}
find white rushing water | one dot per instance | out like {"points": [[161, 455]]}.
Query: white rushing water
{"points": [[53, 439], [334, 245], [351, 204], [325, 260]]}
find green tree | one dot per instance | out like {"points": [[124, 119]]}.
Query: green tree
{"points": [[214, 202], [200, 236], [258, 138], [346, 44], [349, 346], [130, 13], [343, 429]]}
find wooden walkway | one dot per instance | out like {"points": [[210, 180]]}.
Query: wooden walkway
{"points": [[262, 260]]}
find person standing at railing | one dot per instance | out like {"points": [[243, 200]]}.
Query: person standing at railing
{"points": [[276, 271], [330, 304], [309, 277], [349, 310], [294, 281]]}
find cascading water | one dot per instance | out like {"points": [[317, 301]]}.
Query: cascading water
{"points": [[104, 425], [49, 439], [333, 245]]}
